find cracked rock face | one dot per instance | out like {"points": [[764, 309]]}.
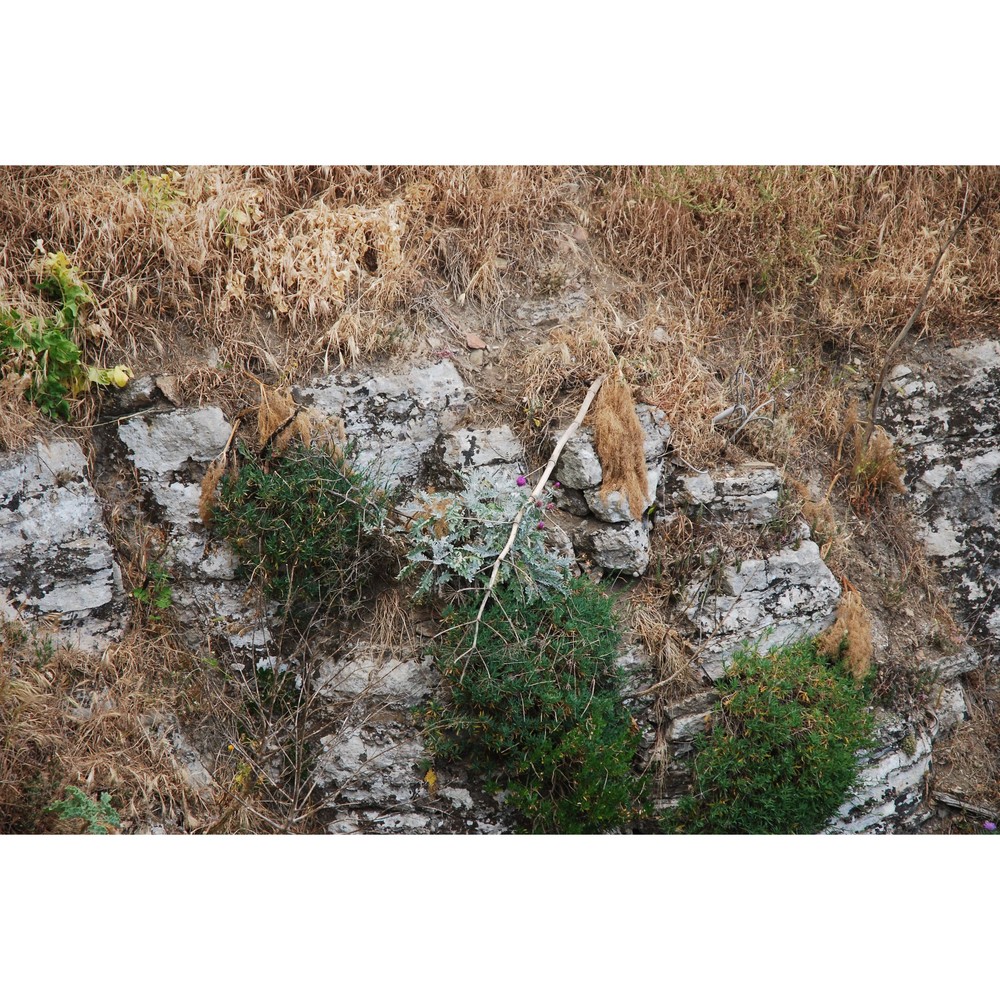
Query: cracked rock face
{"points": [[394, 418], [172, 452], [947, 422], [769, 602], [55, 556], [890, 792], [373, 776], [377, 679], [497, 450], [750, 491]]}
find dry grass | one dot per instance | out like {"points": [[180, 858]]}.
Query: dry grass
{"points": [[852, 633], [647, 615], [92, 721], [619, 441], [694, 271], [18, 418]]}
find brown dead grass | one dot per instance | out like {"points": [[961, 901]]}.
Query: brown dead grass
{"points": [[18, 418], [92, 721], [852, 631], [695, 271], [619, 441]]}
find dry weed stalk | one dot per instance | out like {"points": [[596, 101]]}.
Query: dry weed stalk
{"points": [[620, 441]]}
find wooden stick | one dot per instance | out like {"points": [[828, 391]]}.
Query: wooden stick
{"points": [[880, 384], [535, 493], [956, 803]]}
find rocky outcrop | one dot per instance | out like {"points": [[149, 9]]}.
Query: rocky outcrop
{"points": [[56, 560], [762, 602], [945, 417], [395, 419], [749, 492], [373, 773], [371, 769]]}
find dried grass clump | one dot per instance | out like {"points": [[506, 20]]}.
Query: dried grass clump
{"points": [[307, 264], [92, 721], [871, 467], [852, 633], [674, 674], [832, 244], [18, 418], [619, 441]]}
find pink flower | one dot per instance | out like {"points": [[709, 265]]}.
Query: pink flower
{"points": [[541, 524], [556, 486], [521, 481]]}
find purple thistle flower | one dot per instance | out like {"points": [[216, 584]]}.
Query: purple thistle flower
{"points": [[522, 481], [541, 524], [556, 486], [989, 826]]}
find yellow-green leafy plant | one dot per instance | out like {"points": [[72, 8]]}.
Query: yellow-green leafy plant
{"points": [[43, 349]]}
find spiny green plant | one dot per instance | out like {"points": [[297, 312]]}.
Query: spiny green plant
{"points": [[535, 707], [454, 539], [43, 347], [98, 814], [783, 753], [311, 527]]}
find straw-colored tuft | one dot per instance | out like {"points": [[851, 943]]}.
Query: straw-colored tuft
{"points": [[619, 440], [852, 630], [276, 409]]}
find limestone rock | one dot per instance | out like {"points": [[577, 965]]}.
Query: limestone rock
{"points": [[386, 680], [750, 491], [890, 793], [579, 468], [55, 556], [172, 452], [497, 449], [395, 419], [616, 547], [373, 778], [622, 546], [167, 442], [771, 602], [946, 420]]}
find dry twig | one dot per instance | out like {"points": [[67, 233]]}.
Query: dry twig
{"points": [[535, 493]]}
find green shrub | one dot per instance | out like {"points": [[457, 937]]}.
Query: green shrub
{"points": [[783, 753], [536, 708], [156, 594], [309, 527], [98, 814]]}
